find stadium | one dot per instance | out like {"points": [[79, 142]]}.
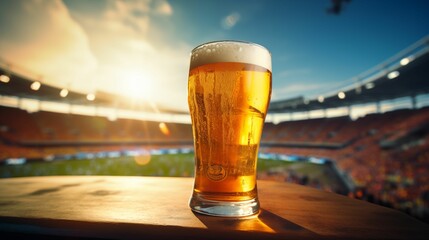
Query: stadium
{"points": [[367, 139], [381, 157]]}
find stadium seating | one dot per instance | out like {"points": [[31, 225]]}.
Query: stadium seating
{"points": [[41, 134], [387, 155]]}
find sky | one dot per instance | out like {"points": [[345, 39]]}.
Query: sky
{"points": [[141, 48]]}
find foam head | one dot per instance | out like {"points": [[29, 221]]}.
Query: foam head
{"points": [[231, 51]]}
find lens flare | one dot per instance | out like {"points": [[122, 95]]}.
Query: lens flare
{"points": [[164, 129], [143, 159]]}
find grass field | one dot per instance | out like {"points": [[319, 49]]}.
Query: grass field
{"points": [[172, 165], [169, 165]]}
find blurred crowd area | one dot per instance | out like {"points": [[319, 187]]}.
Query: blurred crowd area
{"points": [[386, 155]]}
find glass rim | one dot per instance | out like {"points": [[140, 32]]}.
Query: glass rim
{"points": [[231, 41]]}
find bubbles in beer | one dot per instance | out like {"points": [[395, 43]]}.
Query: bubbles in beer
{"points": [[227, 122]]}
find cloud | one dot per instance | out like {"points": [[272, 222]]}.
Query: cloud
{"points": [[133, 62], [135, 14], [231, 20], [41, 37], [164, 8]]}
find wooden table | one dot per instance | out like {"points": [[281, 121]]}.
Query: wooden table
{"points": [[108, 207]]}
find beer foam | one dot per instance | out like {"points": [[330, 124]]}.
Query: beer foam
{"points": [[231, 51]]}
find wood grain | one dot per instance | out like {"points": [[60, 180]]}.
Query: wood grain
{"points": [[154, 207]]}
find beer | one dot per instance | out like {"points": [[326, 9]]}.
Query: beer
{"points": [[229, 89]]}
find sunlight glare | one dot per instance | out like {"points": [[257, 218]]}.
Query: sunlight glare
{"points": [[137, 86]]}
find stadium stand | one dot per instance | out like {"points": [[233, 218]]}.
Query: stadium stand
{"points": [[43, 134], [387, 155]]}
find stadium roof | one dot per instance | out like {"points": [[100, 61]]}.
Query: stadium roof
{"points": [[405, 74], [19, 86]]}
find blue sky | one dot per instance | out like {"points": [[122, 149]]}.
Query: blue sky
{"points": [[141, 48], [312, 50]]}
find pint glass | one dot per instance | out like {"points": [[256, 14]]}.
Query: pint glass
{"points": [[229, 90]]}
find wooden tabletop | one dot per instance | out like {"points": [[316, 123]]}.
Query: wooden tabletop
{"points": [[107, 207]]}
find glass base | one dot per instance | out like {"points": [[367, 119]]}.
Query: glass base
{"points": [[224, 209]]}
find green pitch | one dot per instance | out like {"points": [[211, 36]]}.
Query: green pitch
{"points": [[170, 165]]}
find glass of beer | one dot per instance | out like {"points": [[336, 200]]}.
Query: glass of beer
{"points": [[229, 90]]}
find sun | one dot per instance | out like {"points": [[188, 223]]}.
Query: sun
{"points": [[137, 85]]}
